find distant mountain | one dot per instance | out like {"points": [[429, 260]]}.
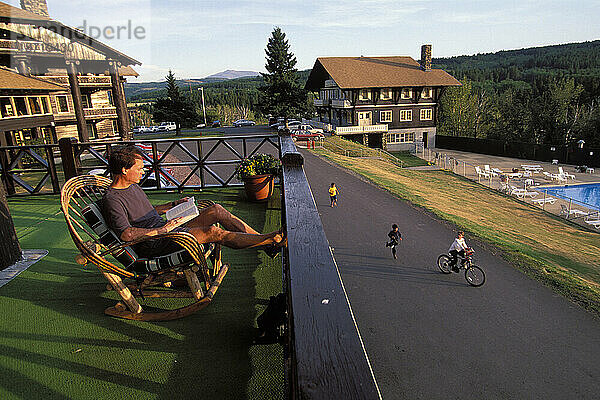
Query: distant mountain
{"points": [[135, 90], [231, 74]]}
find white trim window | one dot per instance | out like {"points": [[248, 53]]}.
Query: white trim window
{"points": [[405, 115], [385, 116], [364, 94], [408, 137], [426, 114], [426, 93], [406, 93], [385, 94], [62, 104]]}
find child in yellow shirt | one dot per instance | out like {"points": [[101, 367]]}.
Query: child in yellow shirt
{"points": [[333, 195]]}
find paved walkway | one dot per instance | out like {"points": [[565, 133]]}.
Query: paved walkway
{"points": [[431, 336]]}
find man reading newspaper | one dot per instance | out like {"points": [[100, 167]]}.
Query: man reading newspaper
{"points": [[129, 213]]}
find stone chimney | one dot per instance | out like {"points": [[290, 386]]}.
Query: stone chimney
{"points": [[38, 7], [425, 57]]}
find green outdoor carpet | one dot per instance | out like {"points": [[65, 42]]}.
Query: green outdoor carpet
{"points": [[56, 342]]}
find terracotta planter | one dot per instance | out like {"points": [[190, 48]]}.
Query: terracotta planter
{"points": [[259, 187]]}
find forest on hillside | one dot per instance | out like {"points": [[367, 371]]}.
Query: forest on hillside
{"points": [[537, 95]]}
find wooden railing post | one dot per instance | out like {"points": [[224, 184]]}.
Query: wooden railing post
{"points": [[8, 182], [69, 162]]}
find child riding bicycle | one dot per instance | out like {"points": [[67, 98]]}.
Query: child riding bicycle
{"points": [[458, 247]]}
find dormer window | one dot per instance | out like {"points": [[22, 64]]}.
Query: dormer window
{"points": [[385, 94], [406, 93], [364, 94], [426, 93]]}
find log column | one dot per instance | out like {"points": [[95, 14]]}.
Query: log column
{"points": [[10, 250], [119, 98], [76, 95]]}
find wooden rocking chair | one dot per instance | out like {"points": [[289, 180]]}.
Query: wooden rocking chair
{"points": [[156, 277]]}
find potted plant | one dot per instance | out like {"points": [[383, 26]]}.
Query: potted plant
{"points": [[258, 173]]}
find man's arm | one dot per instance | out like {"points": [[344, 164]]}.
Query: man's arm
{"points": [[163, 208], [133, 233]]}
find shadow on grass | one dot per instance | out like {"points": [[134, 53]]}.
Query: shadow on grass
{"points": [[56, 342]]}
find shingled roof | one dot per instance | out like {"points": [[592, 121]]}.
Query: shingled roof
{"points": [[16, 15], [374, 72], [12, 80]]}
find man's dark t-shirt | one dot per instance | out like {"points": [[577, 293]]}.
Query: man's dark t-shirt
{"points": [[130, 207]]}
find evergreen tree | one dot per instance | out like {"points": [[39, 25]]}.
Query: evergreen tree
{"points": [[175, 107], [282, 95]]}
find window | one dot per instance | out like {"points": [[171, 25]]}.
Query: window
{"points": [[385, 94], [7, 107], [115, 127], [364, 94], [110, 98], [21, 106], [34, 105], [86, 101], [406, 115], [401, 137], [45, 106], [406, 93], [92, 132], [426, 114], [62, 104], [385, 116], [426, 93]]}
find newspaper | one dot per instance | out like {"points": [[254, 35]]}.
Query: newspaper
{"points": [[186, 211]]}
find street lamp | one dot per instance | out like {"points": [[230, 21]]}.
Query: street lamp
{"points": [[201, 88]]}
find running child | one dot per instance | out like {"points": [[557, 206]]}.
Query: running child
{"points": [[333, 195], [395, 237]]}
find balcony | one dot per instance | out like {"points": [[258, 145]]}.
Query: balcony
{"points": [[321, 102], [84, 80], [106, 112], [348, 130], [341, 103], [14, 46]]}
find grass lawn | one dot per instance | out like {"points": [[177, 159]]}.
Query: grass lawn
{"points": [[339, 145], [562, 255], [408, 160], [56, 343]]}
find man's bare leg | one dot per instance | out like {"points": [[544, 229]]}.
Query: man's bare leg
{"points": [[217, 214], [235, 240]]}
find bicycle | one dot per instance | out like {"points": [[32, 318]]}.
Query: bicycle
{"points": [[473, 274]]}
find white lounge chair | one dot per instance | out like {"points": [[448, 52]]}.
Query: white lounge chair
{"points": [[555, 177], [522, 193], [565, 174], [481, 173], [547, 200], [488, 170], [564, 210], [593, 222]]}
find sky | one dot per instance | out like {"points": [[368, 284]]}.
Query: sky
{"points": [[197, 38]]}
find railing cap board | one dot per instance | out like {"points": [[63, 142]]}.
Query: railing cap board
{"points": [[330, 362]]}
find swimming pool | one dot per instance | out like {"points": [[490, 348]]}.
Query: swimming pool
{"points": [[587, 194]]}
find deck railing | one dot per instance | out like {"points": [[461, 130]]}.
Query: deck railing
{"points": [[324, 354]]}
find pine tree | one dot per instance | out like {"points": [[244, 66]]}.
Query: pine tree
{"points": [[175, 107], [282, 95]]}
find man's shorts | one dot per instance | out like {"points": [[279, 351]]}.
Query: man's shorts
{"points": [[159, 247]]}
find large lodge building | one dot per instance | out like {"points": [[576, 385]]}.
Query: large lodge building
{"points": [[57, 82], [382, 102]]}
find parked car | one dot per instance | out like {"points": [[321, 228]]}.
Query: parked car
{"points": [[139, 129], [216, 124], [300, 134], [292, 124], [200, 126], [309, 128], [167, 127], [243, 122]]}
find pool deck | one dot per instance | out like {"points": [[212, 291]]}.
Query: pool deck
{"points": [[507, 164]]}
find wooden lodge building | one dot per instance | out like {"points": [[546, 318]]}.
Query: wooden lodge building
{"points": [[382, 102], [56, 82]]}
